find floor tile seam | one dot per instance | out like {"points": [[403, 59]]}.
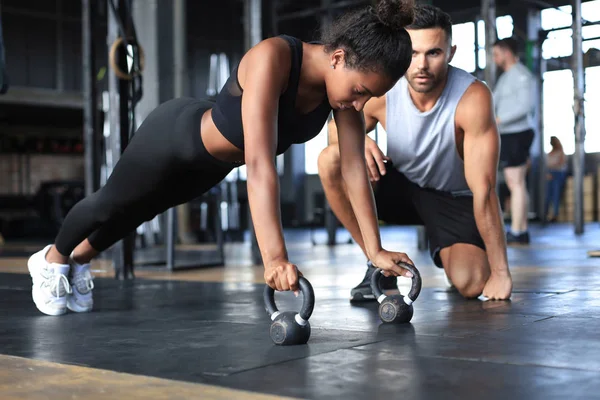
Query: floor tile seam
{"points": [[299, 358], [517, 364]]}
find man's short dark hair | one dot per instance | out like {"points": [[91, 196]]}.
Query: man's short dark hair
{"points": [[509, 44], [428, 16]]}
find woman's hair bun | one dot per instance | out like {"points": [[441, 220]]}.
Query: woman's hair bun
{"points": [[396, 14]]}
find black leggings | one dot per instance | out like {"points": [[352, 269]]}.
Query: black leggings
{"points": [[164, 165]]}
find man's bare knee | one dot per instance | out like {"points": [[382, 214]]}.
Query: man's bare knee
{"points": [[470, 290], [469, 281], [328, 163]]}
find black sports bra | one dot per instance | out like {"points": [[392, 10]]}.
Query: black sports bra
{"points": [[292, 127]]}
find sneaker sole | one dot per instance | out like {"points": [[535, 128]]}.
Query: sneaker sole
{"points": [[73, 306], [359, 297], [44, 308], [368, 296], [41, 306]]}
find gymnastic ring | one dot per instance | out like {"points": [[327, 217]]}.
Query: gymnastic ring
{"points": [[112, 59]]}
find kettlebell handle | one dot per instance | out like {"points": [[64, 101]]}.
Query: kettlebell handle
{"points": [[308, 303], [415, 288]]}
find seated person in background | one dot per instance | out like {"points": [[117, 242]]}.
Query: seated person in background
{"points": [[441, 167], [556, 163]]}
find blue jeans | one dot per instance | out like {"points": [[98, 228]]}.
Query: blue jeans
{"points": [[554, 189]]}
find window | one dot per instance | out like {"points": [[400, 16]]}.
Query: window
{"points": [[504, 26], [560, 42], [463, 36], [591, 44], [312, 149], [555, 18], [592, 102], [558, 109], [380, 136], [559, 120], [558, 85], [504, 29], [590, 10], [590, 31]]}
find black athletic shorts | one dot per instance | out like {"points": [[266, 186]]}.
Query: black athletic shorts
{"points": [[514, 148], [448, 219]]}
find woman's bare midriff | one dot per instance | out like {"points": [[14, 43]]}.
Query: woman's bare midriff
{"points": [[215, 143]]}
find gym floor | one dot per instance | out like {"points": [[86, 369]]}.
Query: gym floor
{"points": [[204, 333]]}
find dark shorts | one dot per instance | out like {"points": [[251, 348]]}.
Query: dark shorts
{"points": [[514, 148], [448, 219]]}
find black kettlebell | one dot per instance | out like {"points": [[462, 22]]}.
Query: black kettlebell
{"points": [[396, 309], [289, 327]]}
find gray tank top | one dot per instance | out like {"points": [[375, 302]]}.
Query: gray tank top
{"points": [[422, 145]]}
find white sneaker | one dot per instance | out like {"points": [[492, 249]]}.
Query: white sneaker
{"points": [[80, 300], [50, 284]]}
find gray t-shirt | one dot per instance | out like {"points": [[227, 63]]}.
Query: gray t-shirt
{"points": [[514, 98], [422, 145]]}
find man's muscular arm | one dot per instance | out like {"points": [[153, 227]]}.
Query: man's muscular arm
{"points": [[475, 117]]}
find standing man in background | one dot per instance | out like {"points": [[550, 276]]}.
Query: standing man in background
{"points": [[514, 103]]}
